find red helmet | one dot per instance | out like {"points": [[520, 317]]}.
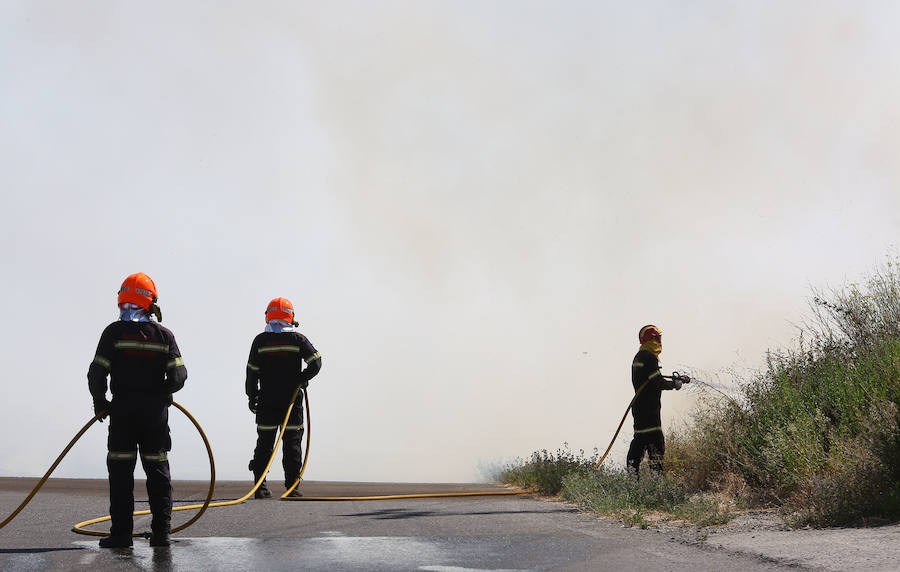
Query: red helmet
{"points": [[138, 289], [649, 332], [280, 309]]}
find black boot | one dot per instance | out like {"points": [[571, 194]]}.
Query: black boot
{"points": [[159, 532], [262, 492], [160, 539], [294, 493], [116, 542]]}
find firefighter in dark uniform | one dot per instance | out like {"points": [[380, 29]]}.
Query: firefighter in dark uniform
{"points": [[274, 370], [649, 381], [145, 368]]}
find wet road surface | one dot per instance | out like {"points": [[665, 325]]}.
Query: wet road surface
{"points": [[446, 535]]}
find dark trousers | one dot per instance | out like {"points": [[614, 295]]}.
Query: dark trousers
{"points": [[139, 422], [652, 443], [268, 423]]}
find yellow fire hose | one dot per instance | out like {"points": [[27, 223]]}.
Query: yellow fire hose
{"points": [[79, 528], [675, 375], [622, 422], [47, 474], [284, 497], [206, 504], [78, 435]]}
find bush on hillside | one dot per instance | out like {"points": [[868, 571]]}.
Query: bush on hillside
{"points": [[817, 432], [819, 429]]}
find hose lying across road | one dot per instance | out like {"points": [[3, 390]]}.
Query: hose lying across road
{"points": [[374, 497], [79, 528]]}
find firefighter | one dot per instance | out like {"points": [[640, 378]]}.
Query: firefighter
{"points": [[145, 368], [647, 379], [274, 370]]}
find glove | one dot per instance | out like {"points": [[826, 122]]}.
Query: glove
{"points": [[304, 384], [101, 408], [169, 399], [253, 403], [678, 379]]}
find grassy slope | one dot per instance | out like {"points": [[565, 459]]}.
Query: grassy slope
{"points": [[817, 434]]}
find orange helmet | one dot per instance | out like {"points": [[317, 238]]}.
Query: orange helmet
{"points": [[649, 332], [280, 309], [138, 289]]}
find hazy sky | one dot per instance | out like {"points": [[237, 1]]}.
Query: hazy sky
{"points": [[474, 207]]}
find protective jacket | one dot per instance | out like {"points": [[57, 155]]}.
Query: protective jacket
{"points": [[145, 367], [139, 357], [274, 368], [647, 406]]}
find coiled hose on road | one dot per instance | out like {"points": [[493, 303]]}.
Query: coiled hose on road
{"points": [[79, 528], [65, 451]]}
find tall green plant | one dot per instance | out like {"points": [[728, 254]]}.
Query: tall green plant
{"points": [[798, 429]]}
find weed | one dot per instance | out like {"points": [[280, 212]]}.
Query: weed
{"points": [[545, 471]]}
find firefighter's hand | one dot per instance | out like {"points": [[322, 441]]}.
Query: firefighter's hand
{"points": [[252, 403], [304, 384], [101, 408], [679, 379]]}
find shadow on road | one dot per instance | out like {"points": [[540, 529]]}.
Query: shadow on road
{"points": [[398, 513], [33, 550]]}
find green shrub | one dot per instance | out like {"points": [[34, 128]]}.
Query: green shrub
{"points": [[618, 493], [545, 471], [817, 431], [607, 491], [858, 487]]}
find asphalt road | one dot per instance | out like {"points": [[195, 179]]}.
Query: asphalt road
{"points": [[446, 534]]}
